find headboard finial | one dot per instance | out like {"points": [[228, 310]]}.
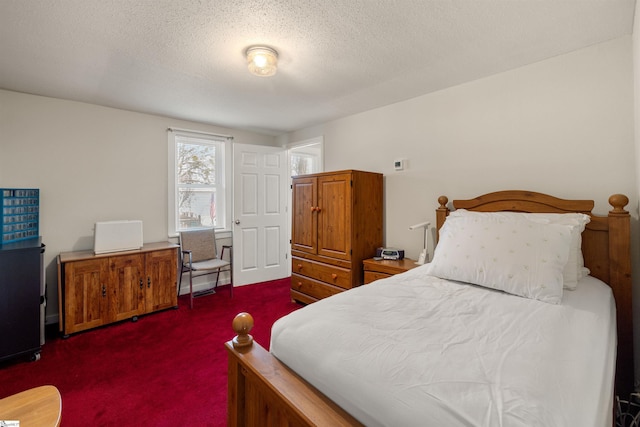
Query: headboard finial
{"points": [[618, 201], [443, 200]]}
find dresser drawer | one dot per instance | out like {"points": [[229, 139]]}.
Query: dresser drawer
{"points": [[312, 287], [323, 272]]}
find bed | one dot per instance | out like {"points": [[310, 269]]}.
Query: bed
{"points": [[545, 357]]}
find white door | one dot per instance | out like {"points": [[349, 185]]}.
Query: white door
{"points": [[260, 219]]}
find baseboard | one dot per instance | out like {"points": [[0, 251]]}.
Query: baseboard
{"points": [[200, 285]]}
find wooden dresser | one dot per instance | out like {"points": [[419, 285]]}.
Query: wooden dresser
{"points": [[336, 224], [95, 290]]}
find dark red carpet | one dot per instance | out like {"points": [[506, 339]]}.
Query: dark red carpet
{"points": [[166, 369]]}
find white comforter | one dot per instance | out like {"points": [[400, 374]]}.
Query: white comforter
{"points": [[415, 350]]}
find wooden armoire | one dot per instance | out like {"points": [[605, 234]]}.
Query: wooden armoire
{"points": [[336, 224]]}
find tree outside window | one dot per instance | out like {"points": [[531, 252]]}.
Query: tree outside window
{"points": [[198, 179], [301, 164]]}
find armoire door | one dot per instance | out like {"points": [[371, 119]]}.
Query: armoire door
{"points": [[304, 222], [334, 216]]}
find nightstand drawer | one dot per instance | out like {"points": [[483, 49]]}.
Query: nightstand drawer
{"points": [[375, 269], [372, 276], [325, 273]]}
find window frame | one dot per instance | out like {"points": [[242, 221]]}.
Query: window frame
{"points": [[223, 171]]}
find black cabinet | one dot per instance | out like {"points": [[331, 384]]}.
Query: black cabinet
{"points": [[21, 297]]}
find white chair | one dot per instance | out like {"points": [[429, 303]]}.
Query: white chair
{"points": [[200, 257]]}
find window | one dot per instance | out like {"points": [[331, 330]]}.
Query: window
{"points": [[301, 164], [306, 157], [197, 192]]}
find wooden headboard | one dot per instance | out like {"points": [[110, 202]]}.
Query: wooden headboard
{"points": [[605, 247]]}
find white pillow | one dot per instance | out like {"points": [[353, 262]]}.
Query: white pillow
{"points": [[575, 269], [518, 256]]}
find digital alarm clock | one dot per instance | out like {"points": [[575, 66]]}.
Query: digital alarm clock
{"points": [[390, 253]]}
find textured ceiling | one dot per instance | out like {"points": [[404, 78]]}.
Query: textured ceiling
{"points": [[184, 58]]}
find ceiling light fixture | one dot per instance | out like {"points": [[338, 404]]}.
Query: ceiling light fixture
{"points": [[262, 60]]}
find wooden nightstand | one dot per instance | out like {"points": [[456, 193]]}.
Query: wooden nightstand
{"points": [[380, 269]]}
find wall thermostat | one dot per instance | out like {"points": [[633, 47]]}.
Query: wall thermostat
{"points": [[398, 165]]}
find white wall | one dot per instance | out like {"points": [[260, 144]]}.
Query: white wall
{"points": [[91, 164], [564, 126]]}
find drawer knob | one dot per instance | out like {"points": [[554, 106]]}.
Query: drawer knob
{"points": [[299, 266], [334, 276], [299, 285]]}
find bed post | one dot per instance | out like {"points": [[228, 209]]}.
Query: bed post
{"points": [[441, 214], [620, 282], [242, 325]]}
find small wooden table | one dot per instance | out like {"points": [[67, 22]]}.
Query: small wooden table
{"points": [[379, 269], [36, 407]]}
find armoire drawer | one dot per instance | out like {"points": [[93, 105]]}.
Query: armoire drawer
{"points": [[312, 287], [325, 273]]}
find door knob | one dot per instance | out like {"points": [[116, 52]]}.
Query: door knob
{"points": [[237, 221]]}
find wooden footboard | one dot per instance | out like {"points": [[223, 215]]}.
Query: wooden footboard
{"points": [[264, 392]]}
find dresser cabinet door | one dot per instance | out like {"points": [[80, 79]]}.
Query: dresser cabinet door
{"points": [[86, 295], [127, 287], [161, 285]]}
